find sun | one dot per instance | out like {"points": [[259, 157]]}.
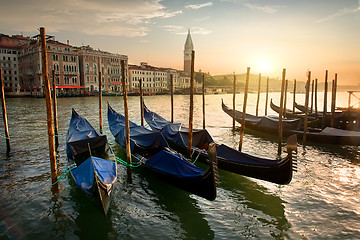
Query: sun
{"points": [[262, 66]]}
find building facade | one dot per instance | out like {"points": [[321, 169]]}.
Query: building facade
{"points": [[154, 79], [61, 58], [9, 62], [108, 64]]}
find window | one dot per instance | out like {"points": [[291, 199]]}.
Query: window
{"points": [[87, 68]]}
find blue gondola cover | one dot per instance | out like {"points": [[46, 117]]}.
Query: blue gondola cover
{"points": [[80, 134], [140, 137], [84, 173], [176, 132], [174, 165]]}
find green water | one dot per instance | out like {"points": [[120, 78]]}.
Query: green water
{"points": [[322, 201]]}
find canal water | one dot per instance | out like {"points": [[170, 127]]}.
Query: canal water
{"points": [[321, 202]]}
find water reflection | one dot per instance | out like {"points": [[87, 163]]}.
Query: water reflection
{"points": [[90, 221], [244, 191]]}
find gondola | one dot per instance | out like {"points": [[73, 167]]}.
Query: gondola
{"points": [[91, 159], [151, 149], [276, 171], [265, 123], [327, 135], [288, 113]]}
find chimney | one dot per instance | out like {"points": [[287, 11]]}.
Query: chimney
{"points": [[68, 42]]}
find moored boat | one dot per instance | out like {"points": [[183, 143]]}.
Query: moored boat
{"points": [[91, 159], [276, 171], [151, 149]]}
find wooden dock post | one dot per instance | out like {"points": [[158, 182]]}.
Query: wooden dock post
{"points": [[127, 127], [7, 136], [258, 96], [191, 105], [333, 100], [285, 97], [141, 102], [203, 98], [294, 98], [323, 122], [316, 106], [267, 95], [50, 122], [172, 96], [242, 130], [234, 94], [100, 99], [312, 96], [306, 108], [56, 132], [281, 111]]}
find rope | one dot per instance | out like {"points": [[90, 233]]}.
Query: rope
{"points": [[68, 169], [128, 165], [119, 160], [197, 155]]}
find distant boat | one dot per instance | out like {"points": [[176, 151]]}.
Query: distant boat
{"points": [[292, 126], [152, 149], [289, 113], [277, 171], [91, 159], [264, 123]]}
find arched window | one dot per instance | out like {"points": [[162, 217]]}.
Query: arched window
{"points": [[87, 68]]}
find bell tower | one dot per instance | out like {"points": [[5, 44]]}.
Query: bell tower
{"points": [[188, 48]]}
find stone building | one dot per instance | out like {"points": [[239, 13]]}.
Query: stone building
{"points": [[109, 64], [154, 79], [9, 63]]}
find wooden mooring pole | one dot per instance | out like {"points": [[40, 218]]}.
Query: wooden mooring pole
{"points": [[281, 111], [141, 102], [191, 105], [312, 96], [267, 95], [172, 97], [333, 101], [294, 98], [127, 128], [203, 98], [242, 130], [316, 106], [100, 98], [234, 95], [7, 136], [56, 132], [323, 122], [307, 87], [258, 95], [285, 97], [50, 121]]}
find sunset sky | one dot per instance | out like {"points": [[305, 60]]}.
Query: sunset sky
{"points": [[229, 35]]}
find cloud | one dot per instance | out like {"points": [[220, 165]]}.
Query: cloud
{"points": [[263, 8], [198, 6], [107, 17], [259, 7], [181, 30], [340, 13]]}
